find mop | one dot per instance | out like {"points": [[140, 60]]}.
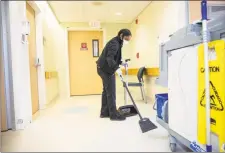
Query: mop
{"points": [[206, 64], [145, 123], [127, 110]]}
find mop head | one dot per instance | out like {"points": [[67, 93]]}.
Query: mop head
{"points": [[146, 125]]}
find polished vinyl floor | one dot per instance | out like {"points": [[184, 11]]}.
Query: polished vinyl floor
{"points": [[73, 125]]}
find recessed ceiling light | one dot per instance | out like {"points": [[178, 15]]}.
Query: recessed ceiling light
{"points": [[97, 3], [118, 13]]}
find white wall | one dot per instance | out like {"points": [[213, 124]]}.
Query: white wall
{"points": [[156, 22], [54, 38], [20, 65], [63, 64], [20, 58]]}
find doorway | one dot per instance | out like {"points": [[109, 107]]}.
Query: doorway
{"points": [[30, 13], [84, 79]]}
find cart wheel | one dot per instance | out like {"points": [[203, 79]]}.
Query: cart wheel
{"points": [[173, 147], [173, 143]]}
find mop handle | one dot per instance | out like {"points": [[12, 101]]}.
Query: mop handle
{"points": [[126, 73], [206, 64], [126, 66], [125, 85]]}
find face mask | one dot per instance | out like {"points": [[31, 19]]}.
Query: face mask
{"points": [[125, 42]]}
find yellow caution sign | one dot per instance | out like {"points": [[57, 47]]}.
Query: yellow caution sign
{"points": [[217, 92]]}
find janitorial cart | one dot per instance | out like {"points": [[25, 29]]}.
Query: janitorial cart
{"points": [[193, 69]]}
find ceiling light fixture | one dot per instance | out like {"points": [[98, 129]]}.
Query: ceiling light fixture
{"points": [[97, 3], [118, 13]]}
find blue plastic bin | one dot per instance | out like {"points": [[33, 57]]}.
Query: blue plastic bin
{"points": [[160, 100]]}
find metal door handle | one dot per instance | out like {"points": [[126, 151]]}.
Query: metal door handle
{"points": [[37, 62]]}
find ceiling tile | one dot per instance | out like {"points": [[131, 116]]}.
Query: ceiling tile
{"points": [[104, 11]]}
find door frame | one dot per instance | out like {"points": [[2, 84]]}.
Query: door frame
{"points": [[67, 49]]}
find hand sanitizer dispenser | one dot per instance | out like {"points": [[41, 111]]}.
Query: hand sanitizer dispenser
{"points": [[25, 31]]}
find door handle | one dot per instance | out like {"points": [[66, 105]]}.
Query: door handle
{"points": [[37, 62]]}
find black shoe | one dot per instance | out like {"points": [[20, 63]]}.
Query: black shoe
{"points": [[117, 117], [104, 116]]}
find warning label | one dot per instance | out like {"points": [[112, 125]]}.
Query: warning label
{"points": [[215, 100], [211, 69], [213, 121]]}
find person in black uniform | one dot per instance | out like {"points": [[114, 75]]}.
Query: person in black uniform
{"points": [[107, 65]]}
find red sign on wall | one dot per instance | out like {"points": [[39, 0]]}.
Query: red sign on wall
{"points": [[136, 21], [83, 46], [137, 55]]}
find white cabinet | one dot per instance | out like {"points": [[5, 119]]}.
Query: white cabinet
{"points": [[182, 83]]}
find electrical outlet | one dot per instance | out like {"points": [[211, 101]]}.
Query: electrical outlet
{"points": [[19, 121]]}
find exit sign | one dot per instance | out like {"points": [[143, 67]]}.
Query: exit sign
{"points": [[95, 24]]}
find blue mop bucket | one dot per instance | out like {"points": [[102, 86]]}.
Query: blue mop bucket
{"points": [[160, 100]]}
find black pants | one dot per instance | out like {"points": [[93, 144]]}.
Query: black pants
{"points": [[108, 94]]}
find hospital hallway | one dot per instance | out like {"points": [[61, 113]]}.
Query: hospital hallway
{"points": [[74, 126], [57, 58]]}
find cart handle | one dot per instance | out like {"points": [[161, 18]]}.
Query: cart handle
{"points": [[154, 106]]}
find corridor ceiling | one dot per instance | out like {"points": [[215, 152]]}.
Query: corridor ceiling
{"points": [[103, 11]]}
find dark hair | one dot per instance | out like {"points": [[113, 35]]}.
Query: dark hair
{"points": [[125, 32]]}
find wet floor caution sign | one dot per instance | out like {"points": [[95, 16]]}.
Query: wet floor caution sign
{"points": [[216, 102], [217, 92]]}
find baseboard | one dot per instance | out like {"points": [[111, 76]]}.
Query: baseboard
{"points": [[52, 102]]}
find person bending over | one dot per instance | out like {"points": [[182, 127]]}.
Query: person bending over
{"points": [[107, 65]]}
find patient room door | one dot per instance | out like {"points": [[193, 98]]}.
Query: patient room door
{"points": [[84, 79], [32, 55]]}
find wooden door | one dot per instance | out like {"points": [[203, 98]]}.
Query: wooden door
{"points": [[2, 96], [195, 11], [32, 55], [84, 79]]}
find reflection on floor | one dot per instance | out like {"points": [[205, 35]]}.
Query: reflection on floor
{"points": [[74, 125]]}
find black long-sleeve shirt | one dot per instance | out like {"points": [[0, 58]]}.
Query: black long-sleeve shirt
{"points": [[110, 58]]}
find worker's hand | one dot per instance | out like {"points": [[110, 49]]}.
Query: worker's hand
{"points": [[125, 64], [119, 72]]}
